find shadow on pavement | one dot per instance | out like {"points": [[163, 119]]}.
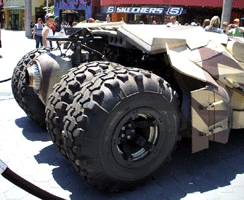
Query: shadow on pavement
{"points": [[203, 171], [187, 173], [68, 179], [31, 130]]}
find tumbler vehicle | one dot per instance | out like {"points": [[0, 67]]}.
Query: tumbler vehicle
{"points": [[116, 98]]}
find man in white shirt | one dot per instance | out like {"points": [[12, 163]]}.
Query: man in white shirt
{"points": [[47, 31], [173, 22]]}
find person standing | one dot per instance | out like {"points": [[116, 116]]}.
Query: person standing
{"points": [[214, 25], [173, 22], [234, 29], [225, 26], [205, 23], [74, 23], [62, 25], [47, 31], [108, 19], [91, 20], [37, 33], [166, 20]]}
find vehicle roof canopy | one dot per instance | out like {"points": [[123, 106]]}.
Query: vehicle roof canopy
{"points": [[153, 38]]}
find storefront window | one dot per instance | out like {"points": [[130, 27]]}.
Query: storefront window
{"points": [[147, 19], [69, 16]]}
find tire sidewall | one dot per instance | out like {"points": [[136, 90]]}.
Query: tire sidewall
{"points": [[23, 93], [168, 130]]}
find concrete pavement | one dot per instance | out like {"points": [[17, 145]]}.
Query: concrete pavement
{"points": [[213, 174]]}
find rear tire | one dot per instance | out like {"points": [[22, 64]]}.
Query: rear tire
{"points": [[25, 95], [63, 95], [121, 128]]}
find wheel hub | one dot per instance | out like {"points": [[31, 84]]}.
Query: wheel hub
{"points": [[136, 137]]}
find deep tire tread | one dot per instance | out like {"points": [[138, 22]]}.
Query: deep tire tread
{"points": [[64, 94], [90, 102], [23, 94]]}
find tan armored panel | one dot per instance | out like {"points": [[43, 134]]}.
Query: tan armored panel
{"points": [[210, 116], [201, 118], [153, 38], [236, 47]]}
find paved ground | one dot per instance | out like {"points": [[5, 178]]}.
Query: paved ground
{"points": [[214, 174]]}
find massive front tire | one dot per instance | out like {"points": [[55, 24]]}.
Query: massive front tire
{"points": [[121, 128], [63, 95], [23, 93]]}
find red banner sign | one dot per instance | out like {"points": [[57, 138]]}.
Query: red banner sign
{"points": [[207, 3]]}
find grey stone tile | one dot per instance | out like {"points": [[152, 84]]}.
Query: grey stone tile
{"points": [[188, 187], [237, 182], [229, 197], [42, 185], [135, 195], [2, 196], [62, 172], [59, 181], [239, 191], [5, 185], [31, 197], [153, 188], [59, 192], [173, 194], [226, 189], [42, 177], [156, 197], [15, 193], [183, 177], [211, 195], [194, 196], [169, 183], [27, 171], [204, 183]]}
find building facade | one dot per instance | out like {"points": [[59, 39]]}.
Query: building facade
{"points": [[193, 10], [75, 10], [14, 13]]}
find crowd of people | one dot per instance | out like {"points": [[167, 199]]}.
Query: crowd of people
{"points": [[41, 31], [210, 25], [232, 29], [214, 25]]}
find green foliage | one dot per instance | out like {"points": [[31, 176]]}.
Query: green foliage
{"points": [[50, 9]]}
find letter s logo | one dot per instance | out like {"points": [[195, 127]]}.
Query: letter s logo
{"points": [[176, 11], [111, 9]]}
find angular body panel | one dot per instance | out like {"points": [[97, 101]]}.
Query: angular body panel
{"points": [[153, 39], [211, 113], [52, 67]]}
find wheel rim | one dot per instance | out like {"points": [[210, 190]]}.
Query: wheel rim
{"points": [[136, 139]]}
